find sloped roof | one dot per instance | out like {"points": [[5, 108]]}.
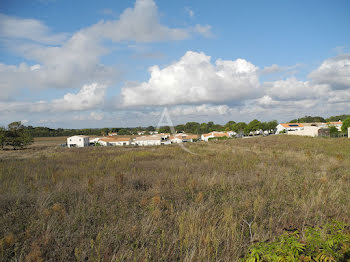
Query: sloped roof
{"points": [[216, 134], [336, 123]]}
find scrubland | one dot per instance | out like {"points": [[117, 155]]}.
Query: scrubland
{"points": [[164, 204]]}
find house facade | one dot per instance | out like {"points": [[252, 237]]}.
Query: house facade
{"points": [[286, 127], [148, 140], [114, 141], [206, 137], [77, 141], [182, 137], [312, 131]]}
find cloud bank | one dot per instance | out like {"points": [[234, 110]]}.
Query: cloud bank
{"points": [[193, 80], [72, 60]]}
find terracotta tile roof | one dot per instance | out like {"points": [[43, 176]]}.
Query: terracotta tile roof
{"points": [[216, 134], [336, 123], [191, 137]]}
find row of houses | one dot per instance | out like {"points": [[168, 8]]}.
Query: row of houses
{"points": [[145, 140], [301, 129], [307, 129]]}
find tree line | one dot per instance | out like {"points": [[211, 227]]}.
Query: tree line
{"points": [[319, 119], [240, 127], [189, 127]]}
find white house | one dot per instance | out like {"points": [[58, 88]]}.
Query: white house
{"points": [[306, 131], [348, 132], [206, 137], [115, 141], [182, 137], [77, 141], [336, 124], [94, 140], [175, 139], [148, 140], [289, 127]]}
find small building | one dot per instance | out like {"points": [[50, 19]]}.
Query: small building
{"points": [[175, 139], [114, 141], [190, 138], [338, 124], [206, 137], [182, 137], [286, 127], [77, 141], [348, 132], [306, 131], [148, 140]]}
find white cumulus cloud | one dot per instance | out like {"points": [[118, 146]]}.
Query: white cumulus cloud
{"points": [[293, 89], [70, 62], [334, 71], [89, 97], [194, 79], [14, 28]]}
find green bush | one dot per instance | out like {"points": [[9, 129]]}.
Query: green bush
{"points": [[329, 243]]}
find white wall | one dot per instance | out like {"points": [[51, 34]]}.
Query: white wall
{"points": [[307, 131], [147, 142], [120, 143], [348, 132], [77, 141]]}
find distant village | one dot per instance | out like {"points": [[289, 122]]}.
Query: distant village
{"points": [[153, 138]]}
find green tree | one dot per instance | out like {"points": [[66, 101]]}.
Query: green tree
{"points": [[337, 118], [203, 128], [2, 137], [123, 132], [164, 129], [253, 126], [150, 128], [239, 127], [271, 125], [104, 131], [17, 136], [346, 125], [309, 119], [179, 128], [229, 125], [333, 131], [192, 127]]}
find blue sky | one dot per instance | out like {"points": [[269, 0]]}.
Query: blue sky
{"points": [[293, 61]]}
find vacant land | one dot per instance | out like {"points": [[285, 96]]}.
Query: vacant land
{"points": [[163, 204]]}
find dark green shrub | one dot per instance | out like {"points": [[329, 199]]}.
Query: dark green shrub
{"points": [[330, 243]]}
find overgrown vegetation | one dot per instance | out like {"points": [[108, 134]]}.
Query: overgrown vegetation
{"points": [[329, 243], [163, 204]]}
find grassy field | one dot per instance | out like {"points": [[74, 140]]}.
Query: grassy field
{"points": [[163, 204]]}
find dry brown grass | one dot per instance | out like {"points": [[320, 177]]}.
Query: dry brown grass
{"points": [[163, 204]]}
